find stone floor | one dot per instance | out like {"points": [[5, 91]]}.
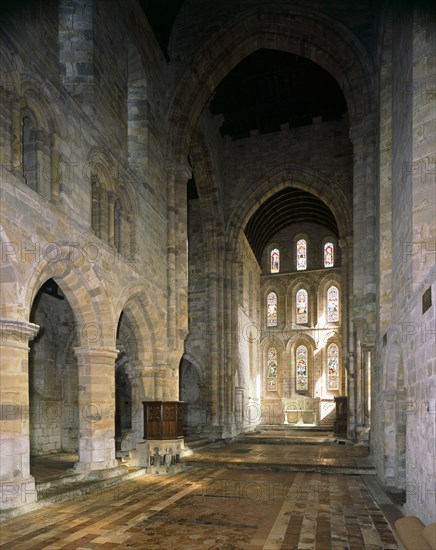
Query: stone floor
{"points": [[217, 506]]}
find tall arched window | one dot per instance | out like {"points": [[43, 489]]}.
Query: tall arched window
{"points": [[333, 367], [329, 259], [301, 368], [271, 310], [301, 255], [272, 369], [275, 260], [332, 305], [302, 307]]}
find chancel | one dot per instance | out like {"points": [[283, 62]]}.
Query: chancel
{"points": [[217, 270]]}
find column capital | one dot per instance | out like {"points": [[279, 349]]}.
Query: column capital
{"points": [[111, 197], [345, 242], [17, 333], [96, 354], [183, 173]]}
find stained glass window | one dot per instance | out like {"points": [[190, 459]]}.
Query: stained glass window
{"points": [[271, 310], [272, 369], [301, 363], [332, 305], [302, 307], [333, 367], [275, 260], [301, 255], [328, 255]]}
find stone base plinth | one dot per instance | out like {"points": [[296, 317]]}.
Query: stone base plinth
{"points": [[92, 466], [164, 455], [16, 495]]}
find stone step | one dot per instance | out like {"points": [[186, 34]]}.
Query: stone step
{"points": [[288, 440], [90, 484], [195, 444], [360, 469]]}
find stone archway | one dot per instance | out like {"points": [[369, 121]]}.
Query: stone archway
{"points": [[191, 395], [301, 31], [93, 349], [53, 375]]}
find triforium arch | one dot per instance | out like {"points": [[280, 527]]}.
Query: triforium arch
{"points": [[270, 25]]}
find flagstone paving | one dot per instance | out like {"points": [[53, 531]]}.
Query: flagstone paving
{"points": [[216, 508]]}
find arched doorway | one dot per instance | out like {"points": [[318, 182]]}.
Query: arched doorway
{"points": [[53, 374], [127, 409], [190, 394]]}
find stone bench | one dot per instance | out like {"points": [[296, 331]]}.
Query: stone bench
{"points": [[414, 535]]}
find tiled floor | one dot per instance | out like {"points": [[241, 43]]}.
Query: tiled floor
{"points": [[217, 507]]}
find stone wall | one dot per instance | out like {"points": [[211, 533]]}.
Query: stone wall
{"points": [[323, 148], [403, 379], [88, 194]]}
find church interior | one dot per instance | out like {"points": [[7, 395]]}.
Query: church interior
{"points": [[217, 306]]}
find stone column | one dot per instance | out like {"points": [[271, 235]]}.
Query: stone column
{"points": [[177, 276], [351, 402], [55, 167], [231, 341], [96, 408], [183, 174], [346, 298], [362, 366], [17, 485], [171, 259], [213, 321], [17, 141], [111, 218], [367, 356], [362, 136]]}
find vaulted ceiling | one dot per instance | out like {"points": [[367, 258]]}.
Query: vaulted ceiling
{"points": [[285, 208]]}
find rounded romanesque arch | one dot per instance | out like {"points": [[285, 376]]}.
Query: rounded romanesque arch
{"points": [[78, 281], [273, 26], [147, 320]]}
